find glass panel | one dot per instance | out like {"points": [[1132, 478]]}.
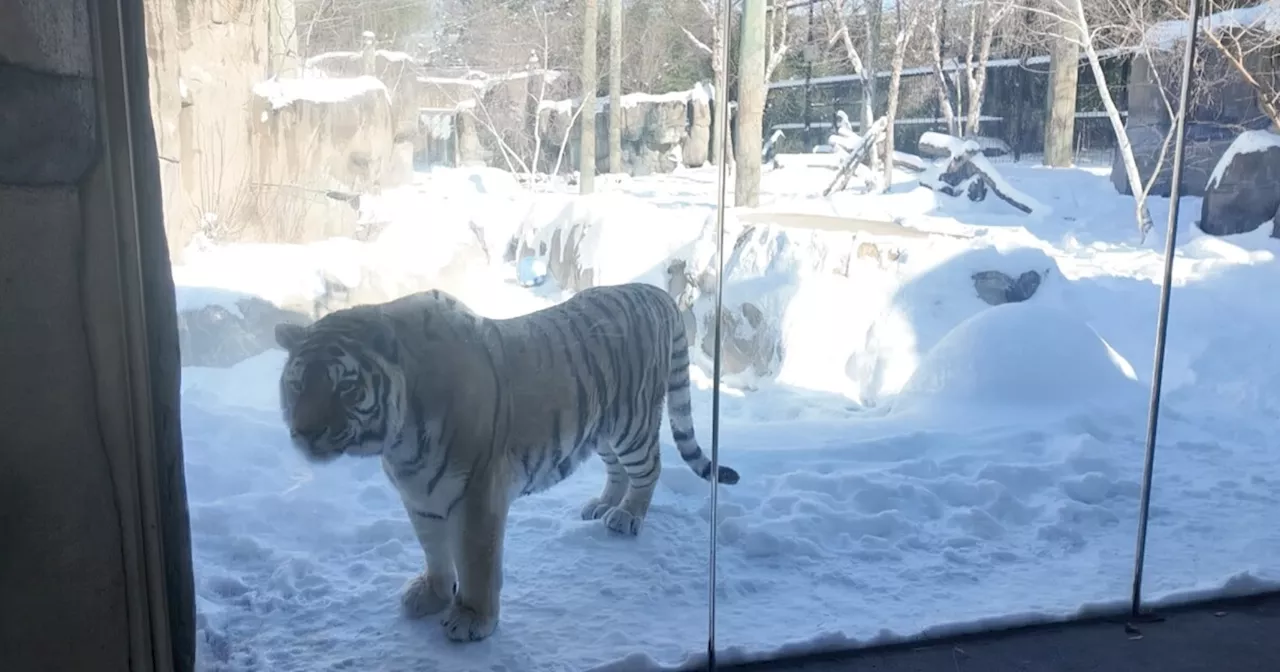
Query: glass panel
{"points": [[320, 156], [1216, 488], [935, 376]]}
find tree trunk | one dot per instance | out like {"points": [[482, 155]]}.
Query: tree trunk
{"points": [[895, 84], [1064, 63], [717, 68], [978, 70], [751, 95], [587, 139], [615, 86], [871, 64], [944, 91], [1141, 213]]}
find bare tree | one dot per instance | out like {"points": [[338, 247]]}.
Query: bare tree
{"points": [[905, 20], [716, 51], [1250, 44], [936, 23], [779, 36], [839, 15], [1064, 77], [587, 138], [985, 16], [1123, 23], [506, 106], [615, 86]]}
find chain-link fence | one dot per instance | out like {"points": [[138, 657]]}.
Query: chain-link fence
{"points": [[1014, 108]]}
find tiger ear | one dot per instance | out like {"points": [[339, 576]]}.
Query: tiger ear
{"points": [[289, 336]]}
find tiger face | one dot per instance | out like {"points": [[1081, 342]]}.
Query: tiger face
{"points": [[337, 395]]}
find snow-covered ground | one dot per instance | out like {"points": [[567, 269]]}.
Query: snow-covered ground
{"points": [[918, 462]]}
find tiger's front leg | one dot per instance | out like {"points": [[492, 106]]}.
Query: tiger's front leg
{"points": [[433, 590], [479, 531]]}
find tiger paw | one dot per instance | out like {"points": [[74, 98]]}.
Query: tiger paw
{"points": [[622, 521], [425, 596], [467, 624], [595, 509]]}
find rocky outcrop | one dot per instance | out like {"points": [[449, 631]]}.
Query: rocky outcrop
{"points": [[319, 144], [1214, 118], [229, 166], [1241, 195], [205, 57], [220, 336], [659, 132]]}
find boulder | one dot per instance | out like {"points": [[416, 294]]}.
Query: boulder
{"points": [[990, 147], [996, 288], [748, 342], [1242, 193], [314, 138], [1205, 145], [564, 261], [965, 169], [985, 145], [220, 336], [655, 133]]}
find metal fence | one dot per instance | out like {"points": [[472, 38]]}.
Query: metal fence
{"points": [[1014, 107]]}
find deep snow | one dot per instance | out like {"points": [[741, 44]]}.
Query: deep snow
{"points": [[918, 462]]}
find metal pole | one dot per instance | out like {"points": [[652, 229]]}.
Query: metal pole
{"points": [[808, 79], [722, 168], [1162, 320]]}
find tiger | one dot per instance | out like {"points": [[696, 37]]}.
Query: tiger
{"points": [[470, 413]]}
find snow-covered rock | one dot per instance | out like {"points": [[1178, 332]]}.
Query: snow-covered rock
{"points": [[1242, 191]]}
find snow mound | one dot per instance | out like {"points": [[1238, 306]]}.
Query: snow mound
{"points": [[473, 216], [932, 296], [1017, 355], [615, 237]]}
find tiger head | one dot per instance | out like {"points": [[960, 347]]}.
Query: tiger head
{"points": [[341, 390]]}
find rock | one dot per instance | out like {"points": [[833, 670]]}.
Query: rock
{"points": [[990, 147], [967, 170], [219, 337], [1211, 122], [564, 262], [747, 341], [697, 145], [1245, 195], [997, 288], [341, 141], [1205, 145], [655, 134]]}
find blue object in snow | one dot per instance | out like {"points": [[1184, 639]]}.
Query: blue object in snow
{"points": [[531, 271]]}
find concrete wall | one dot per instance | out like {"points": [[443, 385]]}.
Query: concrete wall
{"points": [[95, 568]]}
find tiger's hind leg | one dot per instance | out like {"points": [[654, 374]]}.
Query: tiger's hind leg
{"points": [[642, 463], [615, 485]]}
